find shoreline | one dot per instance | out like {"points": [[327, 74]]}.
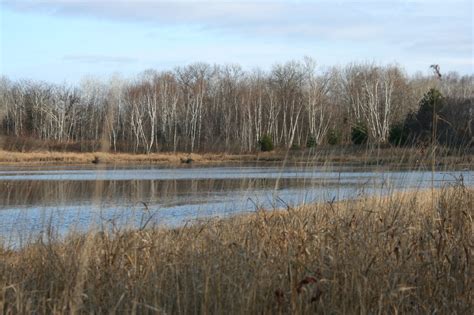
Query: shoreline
{"points": [[391, 157]]}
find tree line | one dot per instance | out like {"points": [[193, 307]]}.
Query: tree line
{"points": [[202, 107]]}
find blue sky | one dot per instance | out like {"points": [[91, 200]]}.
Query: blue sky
{"points": [[66, 40]]}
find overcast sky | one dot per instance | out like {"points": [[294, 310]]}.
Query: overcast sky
{"points": [[57, 40]]}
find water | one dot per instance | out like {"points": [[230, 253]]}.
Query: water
{"points": [[77, 198]]}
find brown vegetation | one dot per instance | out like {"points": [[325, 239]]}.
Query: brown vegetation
{"points": [[325, 155], [379, 255], [45, 157]]}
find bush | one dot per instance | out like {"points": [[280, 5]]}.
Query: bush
{"points": [[311, 142], [333, 137], [359, 134], [398, 135], [295, 146], [266, 143]]}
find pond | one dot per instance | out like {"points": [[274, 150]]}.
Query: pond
{"points": [[64, 198]]}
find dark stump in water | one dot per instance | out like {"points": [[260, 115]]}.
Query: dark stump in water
{"points": [[187, 160]]}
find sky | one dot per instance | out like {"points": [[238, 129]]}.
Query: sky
{"points": [[66, 40]]}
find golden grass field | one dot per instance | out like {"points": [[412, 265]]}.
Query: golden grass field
{"points": [[394, 254]]}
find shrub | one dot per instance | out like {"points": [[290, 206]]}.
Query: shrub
{"points": [[311, 142], [266, 143], [333, 137], [359, 134], [295, 146], [398, 135]]}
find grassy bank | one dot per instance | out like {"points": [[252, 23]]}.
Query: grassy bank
{"points": [[353, 155], [45, 157], [389, 255]]}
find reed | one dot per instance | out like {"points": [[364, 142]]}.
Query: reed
{"points": [[392, 254]]}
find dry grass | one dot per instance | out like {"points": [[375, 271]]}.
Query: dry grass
{"points": [[379, 255], [51, 157], [46, 157], [353, 155]]}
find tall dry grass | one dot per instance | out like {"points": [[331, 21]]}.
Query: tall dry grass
{"points": [[395, 254]]}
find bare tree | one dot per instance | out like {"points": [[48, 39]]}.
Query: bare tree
{"points": [[199, 107]]}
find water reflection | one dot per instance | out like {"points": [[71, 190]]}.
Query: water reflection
{"points": [[35, 192]]}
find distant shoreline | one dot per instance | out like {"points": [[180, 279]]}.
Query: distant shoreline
{"points": [[396, 157]]}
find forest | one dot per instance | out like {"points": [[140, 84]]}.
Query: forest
{"points": [[225, 108]]}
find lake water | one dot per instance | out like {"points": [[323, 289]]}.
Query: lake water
{"points": [[68, 197]]}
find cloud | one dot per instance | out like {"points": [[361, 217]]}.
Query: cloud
{"points": [[233, 15], [450, 46], [323, 20], [432, 28], [95, 59]]}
